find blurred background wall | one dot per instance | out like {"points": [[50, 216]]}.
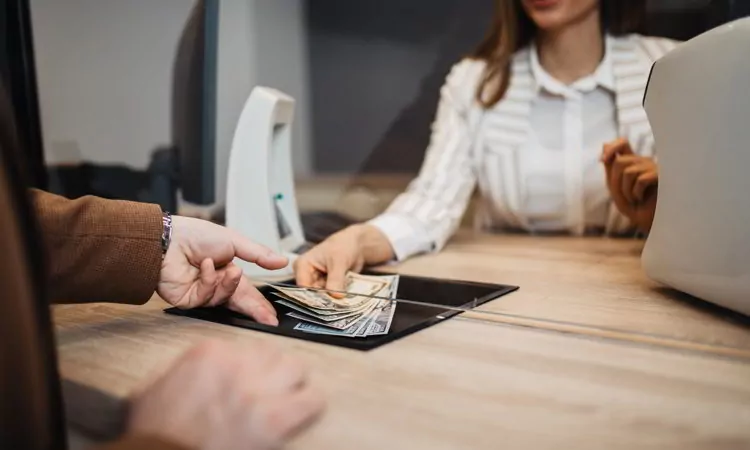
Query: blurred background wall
{"points": [[365, 73]]}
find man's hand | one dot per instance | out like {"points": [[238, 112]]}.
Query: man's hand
{"points": [[632, 181], [198, 270], [220, 397]]}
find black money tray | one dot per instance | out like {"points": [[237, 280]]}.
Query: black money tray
{"points": [[408, 318]]}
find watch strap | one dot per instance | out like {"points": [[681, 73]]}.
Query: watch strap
{"points": [[166, 234]]}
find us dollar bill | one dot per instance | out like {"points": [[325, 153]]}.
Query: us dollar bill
{"points": [[326, 316], [381, 324], [360, 319], [359, 289]]}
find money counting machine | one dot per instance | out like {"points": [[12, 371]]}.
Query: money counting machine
{"points": [[261, 202]]}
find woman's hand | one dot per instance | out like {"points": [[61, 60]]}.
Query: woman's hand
{"points": [[632, 181], [325, 265]]}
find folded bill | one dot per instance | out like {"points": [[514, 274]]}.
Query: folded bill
{"points": [[326, 316], [355, 315], [358, 288], [381, 322]]}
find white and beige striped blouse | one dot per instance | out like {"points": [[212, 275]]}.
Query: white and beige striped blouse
{"points": [[531, 155]]}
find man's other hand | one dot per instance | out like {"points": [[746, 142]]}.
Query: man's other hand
{"points": [[217, 396]]}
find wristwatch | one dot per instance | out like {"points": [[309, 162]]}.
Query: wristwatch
{"points": [[166, 234]]}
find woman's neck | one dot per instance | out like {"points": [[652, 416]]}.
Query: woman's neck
{"points": [[573, 52]]}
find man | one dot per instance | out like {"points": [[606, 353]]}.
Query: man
{"points": [[98, 250]]}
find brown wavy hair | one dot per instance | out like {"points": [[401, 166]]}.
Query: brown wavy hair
{"points": [[513, 30]]}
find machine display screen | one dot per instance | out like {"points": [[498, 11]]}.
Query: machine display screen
{"points": [[281, 224]]}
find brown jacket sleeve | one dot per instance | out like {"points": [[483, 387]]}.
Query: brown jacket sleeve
{"points": [[100, 250]]}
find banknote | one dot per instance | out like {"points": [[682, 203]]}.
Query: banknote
{"points": [[356, 330], [383, 314], [340, 324], [358, 289], [315, 329], [355, 315], [326, 316], [307, 298], [382, 319]]}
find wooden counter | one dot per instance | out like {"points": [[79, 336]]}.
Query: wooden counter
{"points": [[587, 354]]}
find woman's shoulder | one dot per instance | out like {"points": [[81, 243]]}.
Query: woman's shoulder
{"points": [[467, 72], [463, 80], [650, 48], [465, 76], [472, 68]]}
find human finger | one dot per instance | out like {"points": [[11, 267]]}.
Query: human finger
{"points": [[206, 285], [247, 300], [255, 253], [629, 176], [645, 181], [618, 146], [285, 375], [622, 162], [336, 271], [615, 181], [305, 273], [280, 418], [229, 279]]}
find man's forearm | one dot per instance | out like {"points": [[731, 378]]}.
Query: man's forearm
{"points": [[100, 250]]}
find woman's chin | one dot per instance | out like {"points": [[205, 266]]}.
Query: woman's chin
{"points": [[549, 21], [551, 15]]}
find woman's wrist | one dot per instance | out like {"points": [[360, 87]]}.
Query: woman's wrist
{"points": [[373, 244]]}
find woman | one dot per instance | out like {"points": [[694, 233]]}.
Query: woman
{"points": [[525, 119]]}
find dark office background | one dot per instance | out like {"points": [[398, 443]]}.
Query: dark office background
{"points": [[18, 70], [376, 68]]}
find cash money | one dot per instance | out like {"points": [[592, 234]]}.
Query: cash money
{"points": [[358, 289], [319, 314], [357, 314], [381, 322]]}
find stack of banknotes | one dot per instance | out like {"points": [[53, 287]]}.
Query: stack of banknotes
{"points": [[358, 314]]}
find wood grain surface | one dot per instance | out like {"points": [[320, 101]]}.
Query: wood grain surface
{"points": [[588, 354]]}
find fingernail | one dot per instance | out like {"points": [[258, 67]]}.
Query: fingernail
{"points": [[278, 257]]}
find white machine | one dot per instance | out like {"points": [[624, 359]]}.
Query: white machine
{"points": [[260, 187], [698, 104]]}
